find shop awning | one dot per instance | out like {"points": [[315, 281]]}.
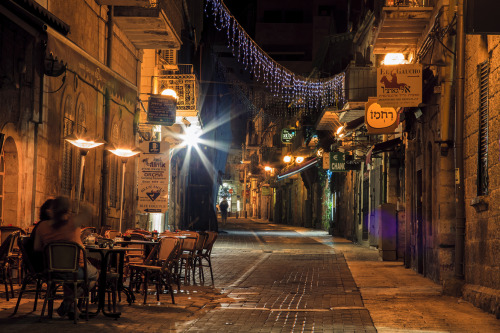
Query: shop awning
{"points": [[382, 147], [89, 69], [298, 168]]}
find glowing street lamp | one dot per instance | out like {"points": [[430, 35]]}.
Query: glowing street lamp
{"points": [[124, 154], [170, 92], [299, 159], [287, 159], [84, 147]]}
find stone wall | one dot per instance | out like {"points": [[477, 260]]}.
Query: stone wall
{"points": [[482, 235]]}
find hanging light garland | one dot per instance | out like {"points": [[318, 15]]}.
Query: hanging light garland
{"points": [[296, 89]]}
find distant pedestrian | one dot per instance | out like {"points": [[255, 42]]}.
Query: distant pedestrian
{"points": [[223, 210]]}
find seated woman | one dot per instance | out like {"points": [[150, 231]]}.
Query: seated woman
{"points": [[63, 227]]}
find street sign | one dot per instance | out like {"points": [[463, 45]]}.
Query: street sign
{"points": [[337, 162], [287, 134], [162, 110]]}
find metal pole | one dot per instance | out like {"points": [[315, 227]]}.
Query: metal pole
{"points": [[83, 153], [245, 194], [124, 162], [459, 145]]}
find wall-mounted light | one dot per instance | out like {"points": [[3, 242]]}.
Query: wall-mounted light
{"points": [[394, 59], [268, 168], [287, 158], [299, 159], [170, 92], [340, 129]]}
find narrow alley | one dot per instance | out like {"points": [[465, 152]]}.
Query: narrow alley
{"points": [[277, 278]]}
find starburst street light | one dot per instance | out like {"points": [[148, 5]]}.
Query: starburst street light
{"points": [[124, 154], [84, 147]]}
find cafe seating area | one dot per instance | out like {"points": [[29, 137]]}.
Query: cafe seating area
{"points": [[136, 262]]}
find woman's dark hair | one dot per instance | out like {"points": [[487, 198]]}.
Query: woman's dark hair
{"points": [[61, 206], [44, 210]]}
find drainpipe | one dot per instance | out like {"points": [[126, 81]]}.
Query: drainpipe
{"points": [[459, 146], [446, 138], [107, 119], [36, 125]]}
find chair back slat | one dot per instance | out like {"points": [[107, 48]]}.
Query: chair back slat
{"points": [[8, 245]]}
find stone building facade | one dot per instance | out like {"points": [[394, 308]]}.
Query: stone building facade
{"points": [[482, 172], [67, 79]]}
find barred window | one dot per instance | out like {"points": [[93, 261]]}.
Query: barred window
{"points": [[482, 156]]}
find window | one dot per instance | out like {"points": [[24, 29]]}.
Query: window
{"points": [[482, 156], [67, 158]]}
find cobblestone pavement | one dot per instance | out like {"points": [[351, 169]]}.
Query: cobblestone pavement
{"points": [[276, 278]]}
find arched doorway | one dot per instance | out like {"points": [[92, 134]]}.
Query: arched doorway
{"points": [[10, 183]]}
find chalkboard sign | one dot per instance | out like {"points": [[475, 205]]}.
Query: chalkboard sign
{"points": [[162, 110]]}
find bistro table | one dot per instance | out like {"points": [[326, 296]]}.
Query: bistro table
{"points": [[105, 254]]}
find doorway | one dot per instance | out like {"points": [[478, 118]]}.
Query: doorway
{"points": [[419, 217], [10, 183]]}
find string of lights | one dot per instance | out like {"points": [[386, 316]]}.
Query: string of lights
{"points": [[293, 88]]}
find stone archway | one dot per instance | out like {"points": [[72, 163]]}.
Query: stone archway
{"points": [[11, 183]]}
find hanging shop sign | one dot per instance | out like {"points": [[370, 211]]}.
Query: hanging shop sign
{"points": [[351, 163], [265, 191], [337, 162], [380, 120], [399, 85], [326, 161], [153, 177], [162, 110], [287, 135]]}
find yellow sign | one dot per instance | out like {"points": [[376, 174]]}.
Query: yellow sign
{"points": [[380, 120], [399, 85]]}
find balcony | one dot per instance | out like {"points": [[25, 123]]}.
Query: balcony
{"points": [[402, 23], [183, 81], [137, 3], [148, 26]]}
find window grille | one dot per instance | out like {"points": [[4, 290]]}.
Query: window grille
{"points": [[67, 159], [482, 163]]}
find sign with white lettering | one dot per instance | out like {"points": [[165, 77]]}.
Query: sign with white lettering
{"points": [[287, 134], [162, 110], [399, 85], [380, 120], [153, 177], [337, 162]]}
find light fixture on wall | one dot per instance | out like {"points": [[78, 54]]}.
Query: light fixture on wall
{"points": [[84, 146], [169, 92], [394, 59]]}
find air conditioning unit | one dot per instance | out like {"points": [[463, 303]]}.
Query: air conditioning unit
{"points": [[168, 59]]}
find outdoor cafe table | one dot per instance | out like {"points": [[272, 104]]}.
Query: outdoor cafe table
{"points": [[105, 254]]}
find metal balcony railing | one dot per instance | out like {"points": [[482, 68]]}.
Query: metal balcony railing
{"points": [[409, 3], [183, 81]]}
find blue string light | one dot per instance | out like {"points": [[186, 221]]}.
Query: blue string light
{"points": [[302, 91]]}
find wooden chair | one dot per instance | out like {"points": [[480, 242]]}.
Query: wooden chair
{"points": [[62, 267], [205, 254], [189, 241], [157, 269], [32, 274], [111, 234], [6, 262]]}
